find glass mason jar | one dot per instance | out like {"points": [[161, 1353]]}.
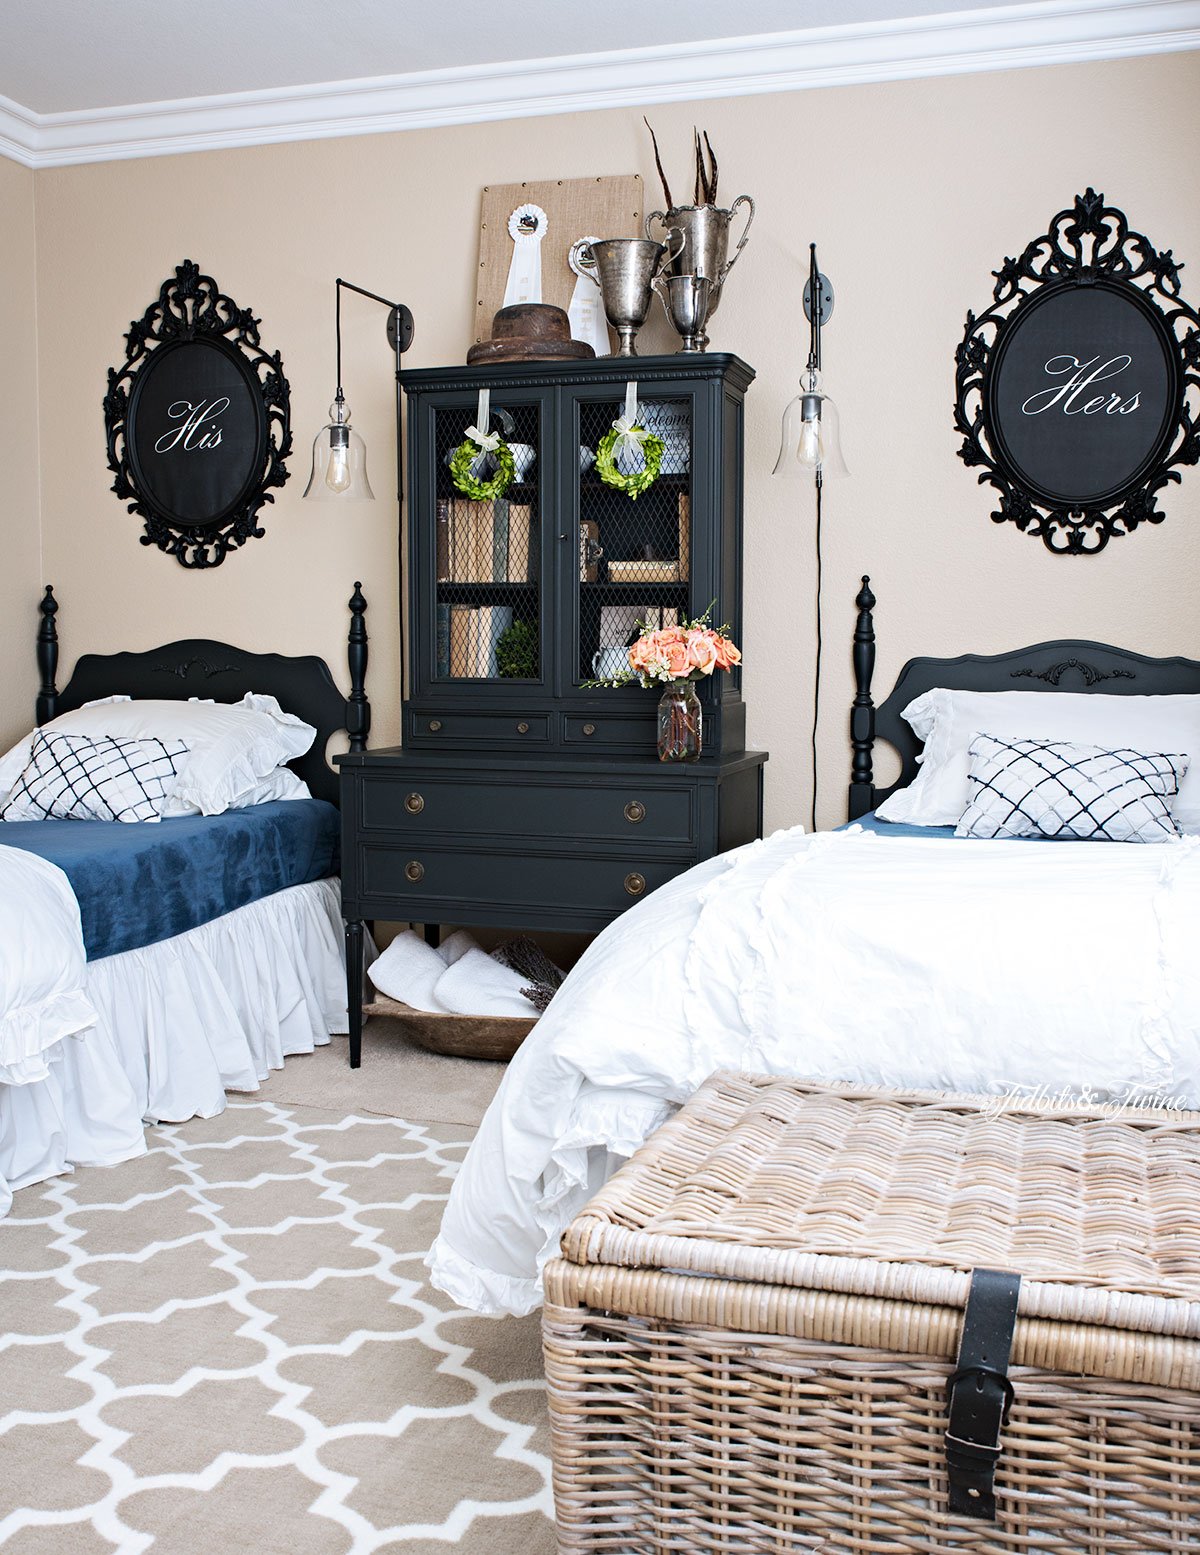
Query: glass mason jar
{"points": [[679, 722]]}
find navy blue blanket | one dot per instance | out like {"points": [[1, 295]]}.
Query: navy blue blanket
{"points": [[871, 822], [144, 882]]}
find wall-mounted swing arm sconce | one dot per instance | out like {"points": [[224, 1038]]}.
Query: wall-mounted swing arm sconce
{"points": [[339, 465], [811, 448]]}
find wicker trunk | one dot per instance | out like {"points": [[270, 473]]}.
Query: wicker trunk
{"points": [[751, 1331]]}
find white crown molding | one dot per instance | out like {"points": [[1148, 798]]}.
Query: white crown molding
{"points": [[1008, 37]]}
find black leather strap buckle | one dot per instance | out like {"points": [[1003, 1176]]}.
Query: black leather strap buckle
{"points": [[980, 1394], [1001, 1377]]}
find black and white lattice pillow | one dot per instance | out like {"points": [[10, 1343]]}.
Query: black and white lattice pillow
{"points": [[1051, 788], [77, 778]]}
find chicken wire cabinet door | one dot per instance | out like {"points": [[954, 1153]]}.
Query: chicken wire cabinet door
{"points": [[518, 598]]}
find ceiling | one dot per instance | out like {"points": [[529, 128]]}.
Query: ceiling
{"points": [[99, 80], [64, 55]]}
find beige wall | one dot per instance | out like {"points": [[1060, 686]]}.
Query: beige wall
{"points": [[20, 571], [915, 191]]}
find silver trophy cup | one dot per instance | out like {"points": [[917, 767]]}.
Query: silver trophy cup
{"points": [[705, 250], [687, 302], [625, 269]]}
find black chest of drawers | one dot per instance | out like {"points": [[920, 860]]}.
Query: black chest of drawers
{"points": [[547, 843]]}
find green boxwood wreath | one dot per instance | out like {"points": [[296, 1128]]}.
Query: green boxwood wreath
{"points": [[652, 451], [465, 455]]}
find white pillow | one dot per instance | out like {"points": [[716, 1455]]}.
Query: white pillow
{"points": [[232, 746], [72, 777], [280, 784], [948, 721], [1061, 790]]}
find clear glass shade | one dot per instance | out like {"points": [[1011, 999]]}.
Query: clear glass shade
{"points": [[339, 464], [811, 439]]}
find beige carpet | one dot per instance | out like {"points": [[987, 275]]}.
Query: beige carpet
{"points": [[230, 1344]]}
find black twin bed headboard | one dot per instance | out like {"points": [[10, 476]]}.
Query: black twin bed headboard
{"points": [[199, 667], [1068, 664]]}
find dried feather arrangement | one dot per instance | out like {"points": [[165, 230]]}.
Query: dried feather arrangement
{"points": [[706, 167]]}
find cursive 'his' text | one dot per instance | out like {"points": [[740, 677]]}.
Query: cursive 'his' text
{"points": [[197, 428]]}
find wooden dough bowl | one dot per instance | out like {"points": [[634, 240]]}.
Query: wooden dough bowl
{"points": [[496, 1037]]}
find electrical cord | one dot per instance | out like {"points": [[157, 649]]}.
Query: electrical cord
{"points": [[817, 674]]}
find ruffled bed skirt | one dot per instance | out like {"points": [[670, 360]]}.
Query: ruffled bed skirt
{"points": [[180, 1023]]}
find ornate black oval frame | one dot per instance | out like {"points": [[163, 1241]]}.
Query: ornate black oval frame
{"points": [[1089, 245], [191, 307]]}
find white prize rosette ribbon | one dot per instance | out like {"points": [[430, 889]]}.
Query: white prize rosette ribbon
{"points": [[585, 313], [628, 454], [488, 442], [527, 227]]}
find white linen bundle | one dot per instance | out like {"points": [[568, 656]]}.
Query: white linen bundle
{"points": [[459, 978]]}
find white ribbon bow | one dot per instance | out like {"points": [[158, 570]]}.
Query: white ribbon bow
{"points": [[629, 436], [488, 441]]}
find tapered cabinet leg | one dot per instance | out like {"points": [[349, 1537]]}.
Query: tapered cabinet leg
{"points": [[354, 986], [433, 934]]}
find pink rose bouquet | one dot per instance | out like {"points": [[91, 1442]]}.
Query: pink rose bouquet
{"points": [[689, 651]]}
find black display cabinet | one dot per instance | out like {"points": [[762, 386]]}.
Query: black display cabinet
{"points": [[521, 798]]}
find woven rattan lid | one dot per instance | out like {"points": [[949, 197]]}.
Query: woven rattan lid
{"points": [[901, 1194]]}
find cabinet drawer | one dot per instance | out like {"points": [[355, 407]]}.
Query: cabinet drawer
{"points": [[427, 885], [541, 812], [450, 729], [608, 731]]}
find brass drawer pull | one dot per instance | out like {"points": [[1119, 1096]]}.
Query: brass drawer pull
{"points": [[414, 804], [522, 728], [635, 884], [434, 725], [635, 811], [589, 728], [414, 870]]}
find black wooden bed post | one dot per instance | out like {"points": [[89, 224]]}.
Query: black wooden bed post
{"points": [[47, 658], [358, 726], [862, 713], [358, 709]]}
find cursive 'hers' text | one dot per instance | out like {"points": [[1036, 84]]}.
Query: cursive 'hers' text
{"points": [[1078, 377]]}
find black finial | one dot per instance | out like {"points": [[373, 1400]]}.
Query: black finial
{"points": [[47, 657]]}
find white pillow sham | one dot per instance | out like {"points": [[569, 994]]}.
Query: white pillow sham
{"points": [[947, 721], [232, 747], [73, 777], [1062, 790]]}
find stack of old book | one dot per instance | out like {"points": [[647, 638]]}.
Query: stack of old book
{"points": [[477, 542]]}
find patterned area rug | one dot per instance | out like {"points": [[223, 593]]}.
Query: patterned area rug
{"points": [[230, 1345]]}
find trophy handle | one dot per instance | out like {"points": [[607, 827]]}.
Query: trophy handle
{"points": [[669, 260], [653, 217], [576, 261], [742, 199]]}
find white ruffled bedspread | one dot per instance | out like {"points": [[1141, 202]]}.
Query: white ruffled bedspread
{"points": [[171, 1027], [42, 965], [845, 956]]}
